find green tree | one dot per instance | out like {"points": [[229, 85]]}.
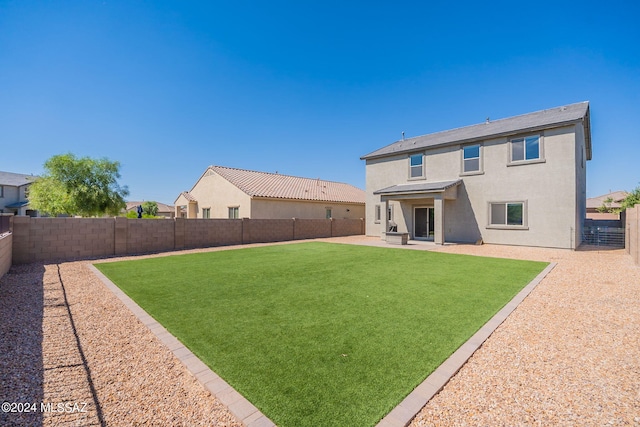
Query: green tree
{"points": [[78, 186], [606, 207], [632, 199], [150, 208]]}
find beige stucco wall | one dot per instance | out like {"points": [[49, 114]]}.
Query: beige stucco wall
{"points": [[216, 193], [269, 208], [553, 191]]}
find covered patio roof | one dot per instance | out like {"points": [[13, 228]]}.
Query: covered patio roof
{"points": [[18, 205], [418, 190]]}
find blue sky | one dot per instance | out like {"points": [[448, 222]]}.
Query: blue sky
{"points": [[303, 88]]}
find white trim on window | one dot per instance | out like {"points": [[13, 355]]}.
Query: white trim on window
{"points": [[416, 167], [508, 215], [377, 215], [234, 212], [471, 162], [526, 150]]}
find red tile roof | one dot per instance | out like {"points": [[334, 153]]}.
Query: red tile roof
{"points": [[274, 185]]}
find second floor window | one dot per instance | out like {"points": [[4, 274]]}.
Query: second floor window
{"points": [[524, 149], [471, 158], [416, 166]]}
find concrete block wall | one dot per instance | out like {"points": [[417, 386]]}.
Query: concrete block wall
{"points": [[632, 233], [311, 228], [40, 239], [267, 230], [203, 233], [346, 227], [44, 239], [150, 236]]}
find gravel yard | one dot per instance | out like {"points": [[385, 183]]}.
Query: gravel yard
{"points": [[568, 355]]}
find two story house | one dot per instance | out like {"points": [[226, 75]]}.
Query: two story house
{"points": [[14, 193], [514, 181]]}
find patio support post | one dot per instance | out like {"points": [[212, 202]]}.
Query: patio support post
{"points": [[386, 218], [438, 214]]}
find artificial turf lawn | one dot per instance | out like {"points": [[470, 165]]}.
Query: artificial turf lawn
{"points": [[317, 333]]}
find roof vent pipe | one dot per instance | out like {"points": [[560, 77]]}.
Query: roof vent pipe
{"points": [[403, 135]]}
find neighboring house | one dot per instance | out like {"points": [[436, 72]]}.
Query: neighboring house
{"points": [[594, 203], [167, 211], [14, 193], [223, 192], [515, 181]]}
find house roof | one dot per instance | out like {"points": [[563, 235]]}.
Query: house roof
{"points": [[531, 122], [187, 196], [616, 197], [161, 206], [278, 186], [423, 187], [15, 179]]}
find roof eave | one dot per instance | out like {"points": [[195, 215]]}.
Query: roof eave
{"points": [[306, 200], [372, 156]]}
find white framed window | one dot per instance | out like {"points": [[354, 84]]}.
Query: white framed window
{"points": [[416, 166], [390, 213], [327, 213], [377, 213], [471, 160], [508, 214], [526, 149], [234, 212], [206, 213]]}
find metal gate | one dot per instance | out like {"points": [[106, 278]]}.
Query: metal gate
{"points": [[603, 236]]}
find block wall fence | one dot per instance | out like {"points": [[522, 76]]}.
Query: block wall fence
{"points": [[6, 244], [44, 239], [632, 233]]}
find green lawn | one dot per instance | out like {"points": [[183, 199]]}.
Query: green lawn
{"points": [[319, 334]]}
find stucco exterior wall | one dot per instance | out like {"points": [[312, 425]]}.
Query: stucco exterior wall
{"points": [[13, 194], [269, 208], [581, 183], [551, 190], [216, 193], [10, 195]]}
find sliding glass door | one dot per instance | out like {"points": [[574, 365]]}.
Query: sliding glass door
{"points": [[423, 223]]}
